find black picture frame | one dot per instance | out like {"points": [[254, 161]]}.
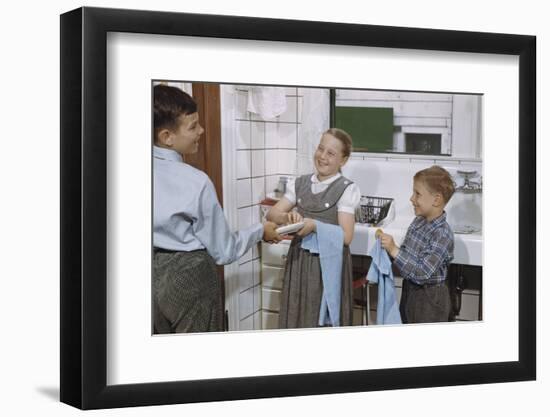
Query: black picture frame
{"points": [[84, 207]]}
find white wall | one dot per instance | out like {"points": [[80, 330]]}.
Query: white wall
{"points": [[393, 177], [256, 152], [30, 204]]}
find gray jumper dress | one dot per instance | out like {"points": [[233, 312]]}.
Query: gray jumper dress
{"points": [[302, 282]]}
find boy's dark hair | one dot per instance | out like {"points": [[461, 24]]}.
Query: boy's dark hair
{"points": [[437, 180], [169, 103]]}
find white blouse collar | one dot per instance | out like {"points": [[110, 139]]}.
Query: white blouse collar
{"points": [[330, 180]]}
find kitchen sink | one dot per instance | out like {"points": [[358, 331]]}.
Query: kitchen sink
{"points": [[468, 247]]}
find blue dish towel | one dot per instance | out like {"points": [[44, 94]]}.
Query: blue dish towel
{"points": [[328, 242], [380, 272]]}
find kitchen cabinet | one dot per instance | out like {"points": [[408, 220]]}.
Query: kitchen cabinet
{"points": [[273, 260]]}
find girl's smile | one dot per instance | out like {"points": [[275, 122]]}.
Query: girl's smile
{"points": [[328, 157]]}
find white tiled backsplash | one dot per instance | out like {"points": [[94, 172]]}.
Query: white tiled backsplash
{"points": [[266, 150]]}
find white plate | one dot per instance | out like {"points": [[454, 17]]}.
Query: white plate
{"points": [[291, 228]]}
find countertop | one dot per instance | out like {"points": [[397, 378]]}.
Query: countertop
{"points": [[468, 247]]}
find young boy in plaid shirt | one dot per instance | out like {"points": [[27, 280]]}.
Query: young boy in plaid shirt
{"points": [[427, 250]]}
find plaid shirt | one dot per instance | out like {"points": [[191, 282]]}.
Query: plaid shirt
{"points": [[426, 251]]}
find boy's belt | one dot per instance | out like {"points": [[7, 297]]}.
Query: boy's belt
{"points": [[427, 285]]}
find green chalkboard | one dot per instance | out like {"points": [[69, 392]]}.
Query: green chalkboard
{"points": [[371, 128]]}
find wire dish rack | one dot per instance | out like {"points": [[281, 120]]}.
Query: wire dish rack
{"points": [[372, 210]]}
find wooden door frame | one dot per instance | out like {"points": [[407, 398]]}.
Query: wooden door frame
{"points": [[209, 156]]}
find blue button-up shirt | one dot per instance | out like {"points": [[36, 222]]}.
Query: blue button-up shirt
{"points": [[187, 215], [426, 252]]}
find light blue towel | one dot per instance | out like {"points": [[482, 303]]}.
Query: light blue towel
{"points": [[387, 311], [328, 242]]}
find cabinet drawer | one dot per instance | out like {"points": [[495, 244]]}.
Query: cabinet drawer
{"points": [[271, 299], [270, 320], [272, 277], [469, 309], [274, 254]]}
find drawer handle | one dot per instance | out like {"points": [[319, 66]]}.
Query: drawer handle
{"points": [[284, 257]]}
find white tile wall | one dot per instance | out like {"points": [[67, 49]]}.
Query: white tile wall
{"points": [[287, 135], [300, 102], [244, 217], [247, 323], [256, 267], [256, 214], [270, 183], [272, 138], [247, 256], [257, 317], [250, 309], [246, 276], [258, 163], [256, 251], [272, 162], [264, 151], [257, 298], [258, 189], [243, 135], [244, 192], [258, 135], [246, 303], [244, 164], [287, 161]]}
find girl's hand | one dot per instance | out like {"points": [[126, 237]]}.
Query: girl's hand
{"points": [[309, 227], [389, 244], [294, 217]]}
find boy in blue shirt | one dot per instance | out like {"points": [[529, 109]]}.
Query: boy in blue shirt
{"points": [[190, 233], [427, 250]]}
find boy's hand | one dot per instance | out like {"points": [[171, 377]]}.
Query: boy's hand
{"points": [[309, 226], [270, 235], [294, 217], [389, 244]]}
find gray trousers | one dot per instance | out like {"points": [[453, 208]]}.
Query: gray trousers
{"points": [[187, 293], [424, 303]]}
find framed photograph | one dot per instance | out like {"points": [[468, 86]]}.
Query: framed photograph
{"points": [[266, 90]]}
